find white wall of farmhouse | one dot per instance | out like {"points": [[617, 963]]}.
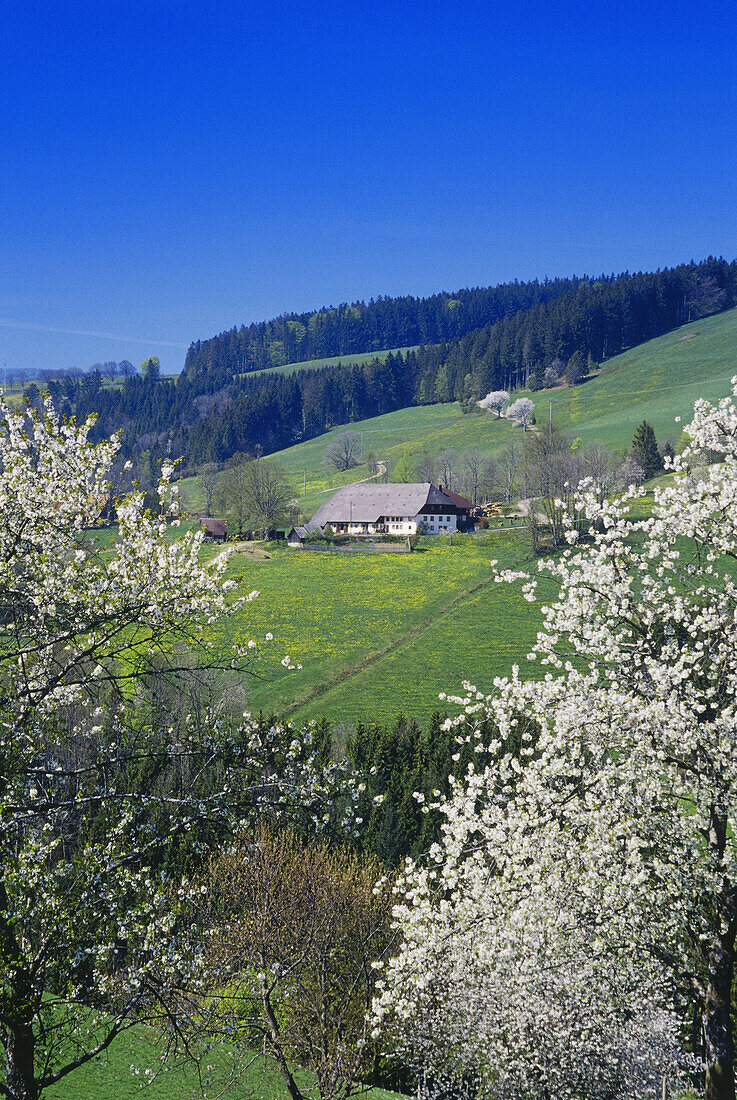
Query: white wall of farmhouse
{"points": [[438, 525], [400, 525], [407, 525], [430, 524]]}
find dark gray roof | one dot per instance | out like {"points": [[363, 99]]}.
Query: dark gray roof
{"points": [[214, 526], [304, 530], [366, 503], [463, 504]]}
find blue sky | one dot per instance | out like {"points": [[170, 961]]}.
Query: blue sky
{"points": [[170, 169]]}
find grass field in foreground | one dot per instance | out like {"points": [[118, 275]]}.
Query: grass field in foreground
{"points": [[380, 633], [110, 1077]]}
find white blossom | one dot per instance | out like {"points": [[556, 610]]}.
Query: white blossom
{"points": [[583, 897]]}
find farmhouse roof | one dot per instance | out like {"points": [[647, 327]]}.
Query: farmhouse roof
{"points": [[462, 503], [362, 503]]}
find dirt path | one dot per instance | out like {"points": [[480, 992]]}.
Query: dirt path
{"points": [[379, 473]]}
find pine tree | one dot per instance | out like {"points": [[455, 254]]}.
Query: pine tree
{"points": [[645, 450]]}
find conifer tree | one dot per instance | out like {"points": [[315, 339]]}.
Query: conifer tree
{"points": [[645, 450]]}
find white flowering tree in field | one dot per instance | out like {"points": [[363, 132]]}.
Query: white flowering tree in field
{"points": [[74, 617], [583, 898], [92, 799], [495, 401], [521, 412]]}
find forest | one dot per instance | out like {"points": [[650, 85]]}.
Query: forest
{"points": [[358, 327]]}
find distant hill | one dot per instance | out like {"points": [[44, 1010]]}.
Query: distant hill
{"points": [[621, 310], [217, 408], [564, 338], [657, 381], [356, 359], [361, 327]]}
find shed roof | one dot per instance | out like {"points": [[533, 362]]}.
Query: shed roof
{"points": [[366, 503], [216, 527], [303, 530]]}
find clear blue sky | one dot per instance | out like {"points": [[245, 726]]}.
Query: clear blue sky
{"points": [[171, 169]]}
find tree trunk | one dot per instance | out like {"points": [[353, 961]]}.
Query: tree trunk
{"points": [[19, 1039], [20, 1042], [277, 1050], [718, 1036]]}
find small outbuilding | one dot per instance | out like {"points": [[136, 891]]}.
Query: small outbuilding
{"points": [[216, 530], [297, 535]]}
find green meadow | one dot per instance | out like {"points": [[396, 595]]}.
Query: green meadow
{"points": [[113, 1076], [657, 381], [407, 433], [377, 634], [332, 360]]}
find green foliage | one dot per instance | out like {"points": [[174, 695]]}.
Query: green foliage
{"points": [[645, 450], [576, 369], [397, 761], [404, 469], [150, 368]]}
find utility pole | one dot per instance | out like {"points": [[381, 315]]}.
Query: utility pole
{"points": [[304, 492], [362, 446], [551, 416]]}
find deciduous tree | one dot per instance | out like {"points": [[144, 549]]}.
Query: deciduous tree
{"points": [[495, 401], [297, 929], [474, 463], [209, 476], [344, 451], [267, 493], [91, 929], [447, 467], [521, 412]]}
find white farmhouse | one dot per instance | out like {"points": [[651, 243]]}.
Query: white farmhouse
{"points": [[393, 509]]}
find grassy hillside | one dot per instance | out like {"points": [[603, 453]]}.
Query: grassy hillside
{"points": [[379, 634], [410, 432], [331, 361], [407, 432], [656, 381]]}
